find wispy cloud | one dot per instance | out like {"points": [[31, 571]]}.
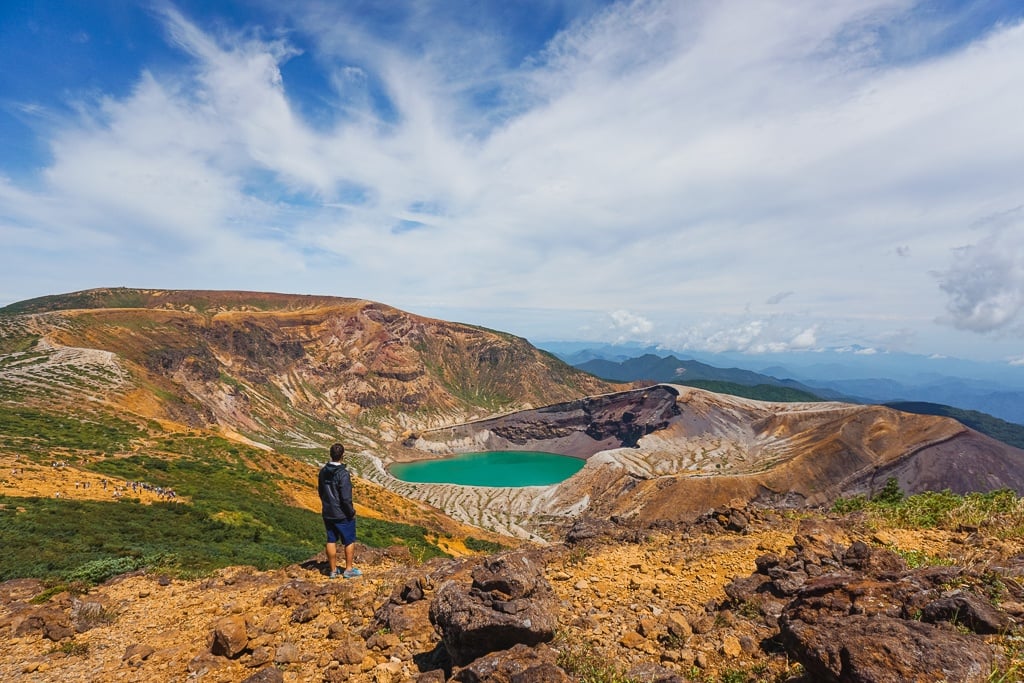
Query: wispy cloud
{"points": [[778, 298], [683, 159]]}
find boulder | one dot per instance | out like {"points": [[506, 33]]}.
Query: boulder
{"points": [[509, 603], [230, 636], [884, 649], [49, 622], [586, 528], [269, 675], [649, 672], [968, 610], [288, 653], [305, 613], [518, 664], [350, 651], [134, 655]]}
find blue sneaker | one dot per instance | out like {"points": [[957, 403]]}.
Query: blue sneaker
{"points": [[352, 573], [334, 575]]}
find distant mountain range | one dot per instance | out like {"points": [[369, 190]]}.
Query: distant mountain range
{"points": [[694, 373], [857, 375]]}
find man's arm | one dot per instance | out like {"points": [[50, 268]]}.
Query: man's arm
{"points": [[344, 481]]}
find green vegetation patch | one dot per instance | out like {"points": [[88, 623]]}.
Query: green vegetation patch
{"points": [[381, 534], [1001, 511], [91, 541], [19, 342], [31, 429], [481, 546], [118, 297], [234, 516]]}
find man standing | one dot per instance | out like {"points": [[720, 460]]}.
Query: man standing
{"points": [[334, 484]]}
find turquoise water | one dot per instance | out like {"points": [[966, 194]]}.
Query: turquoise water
{"points": [[494, 468]]}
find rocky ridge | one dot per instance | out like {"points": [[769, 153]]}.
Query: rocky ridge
{"points": [[274, 369], [738, 594]]}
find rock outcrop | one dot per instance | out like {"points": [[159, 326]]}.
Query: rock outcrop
{"points": [[858, 613], [509, 603]]}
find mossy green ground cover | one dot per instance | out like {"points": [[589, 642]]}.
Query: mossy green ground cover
{"points": [[235, 515]]}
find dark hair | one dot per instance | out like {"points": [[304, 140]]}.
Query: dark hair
{"points": [[337, 450]]}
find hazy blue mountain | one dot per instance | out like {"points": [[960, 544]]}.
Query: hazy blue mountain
{"points": [[1007, 432], [671, 369], [952, 391], [854, 374]]}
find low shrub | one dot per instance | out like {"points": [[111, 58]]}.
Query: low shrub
{"points": [[1002, 511]]}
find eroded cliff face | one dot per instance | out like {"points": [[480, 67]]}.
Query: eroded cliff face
{"points": [[578, 428], [290, 370]]}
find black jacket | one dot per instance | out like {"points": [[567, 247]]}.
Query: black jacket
{"points": [[334, 484]]}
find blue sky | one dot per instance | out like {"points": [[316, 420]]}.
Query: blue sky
{"points": [[758, 176]]}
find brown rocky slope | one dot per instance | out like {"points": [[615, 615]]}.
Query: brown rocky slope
{"points": [[740, 594], [286, 371]]}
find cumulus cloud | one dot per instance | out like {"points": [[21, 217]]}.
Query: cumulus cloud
{"points": [[760, 335], [805, 340], [630, 325], [985, 282]]}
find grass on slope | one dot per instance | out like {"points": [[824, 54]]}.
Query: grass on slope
{"points": [[36, 431], [1007, 432], [1002, 511], [235, 516]]}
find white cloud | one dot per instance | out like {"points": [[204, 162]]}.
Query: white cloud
{"points": [[695, 157], [630, 325], [805, 340], [1017, 361], [985, 282], [773, 334]]}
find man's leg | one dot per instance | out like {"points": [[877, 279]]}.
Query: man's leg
{"points": [[350, 550], [332, 556]]}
